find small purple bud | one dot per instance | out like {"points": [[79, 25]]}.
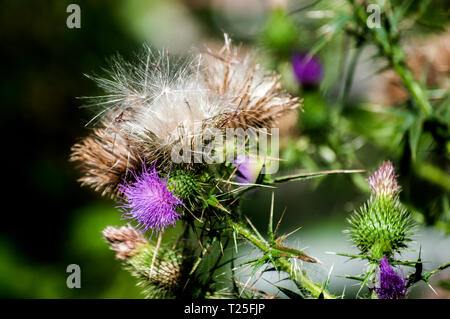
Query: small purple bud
{"points": [[149, 202], [247, 169], [390, 283], [384, 181], [307, 69]]}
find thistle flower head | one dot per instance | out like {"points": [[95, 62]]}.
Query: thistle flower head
{"points": [[148, 201], [125, 241], [384, 181], [390, 283], [307, 69], [383, 225], [159, 104]]}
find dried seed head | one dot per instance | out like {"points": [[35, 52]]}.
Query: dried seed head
{"points": [[125, 241], [104, 158], [156, 108], [255, 96]]}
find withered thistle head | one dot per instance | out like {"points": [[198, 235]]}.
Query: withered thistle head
{"points": [[125, 240], [255, 96], [105, 158], [155, 107], [158, 270]]}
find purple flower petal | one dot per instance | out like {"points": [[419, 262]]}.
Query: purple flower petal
{"points": [[307, 69], [247, 171], [149, 202], [391, 284], [384, 180]]}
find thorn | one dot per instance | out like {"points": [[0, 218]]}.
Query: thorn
{"points": [[270, 227], [283, 237], [254, 228], [279, 222], [429, 285]]}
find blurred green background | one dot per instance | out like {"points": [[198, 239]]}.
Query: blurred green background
{"points": [[50, 222]]}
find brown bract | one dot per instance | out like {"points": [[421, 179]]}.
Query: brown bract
{"points": [[104, 158], [124, 240], [255, 96]]}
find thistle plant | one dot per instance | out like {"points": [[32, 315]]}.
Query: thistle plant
{"points": [[157, 111], [389, 35], [157, 149]]}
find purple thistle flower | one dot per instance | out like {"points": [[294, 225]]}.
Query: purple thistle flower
{"points": [[307, 69], [384, 180], [247, 170], [391, 284], [149, 202]]}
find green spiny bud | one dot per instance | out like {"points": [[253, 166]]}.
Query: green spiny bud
{"points": [[188, 186], [382, 226], [183, 183], [159, 275]]}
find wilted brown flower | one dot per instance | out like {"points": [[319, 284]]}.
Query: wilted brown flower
{"points": [[104, 158], [255, 96]]}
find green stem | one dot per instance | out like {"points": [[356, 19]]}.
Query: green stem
{"points": [[296, 177], [413, 87], [349, 78], [300, 176], [438, 269], [282, 263], [396, 58]]}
